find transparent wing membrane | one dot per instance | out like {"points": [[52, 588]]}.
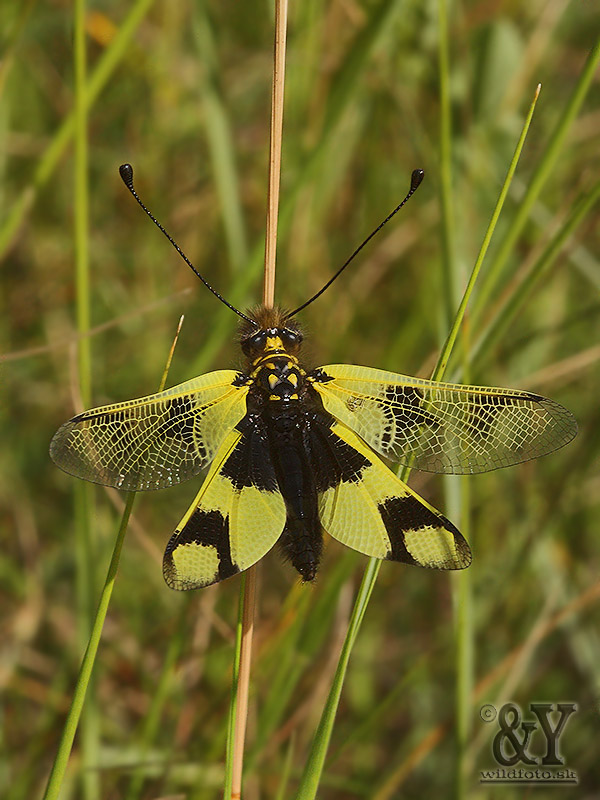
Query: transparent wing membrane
{"points": [[443, 427], [155, 441], [371, 510], [236, 518]]}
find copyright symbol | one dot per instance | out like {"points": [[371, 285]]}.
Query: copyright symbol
{"points": [[488, 712]]}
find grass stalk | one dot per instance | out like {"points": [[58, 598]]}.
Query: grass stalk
{"points": [[84, 588], [11, 41], [107, 63], [81, 207], [517, 299], [458, 494], [538, 180], [312, 773], [243, 651], [445, 170], [287, 768], [235, 679], [219, 137], [85, 672], [84, 494], [464, 643], [65, 746], [311, 776], [276, 135], [152, 719], [243, 660], [340, 99], [455, 492], [448, 347]]}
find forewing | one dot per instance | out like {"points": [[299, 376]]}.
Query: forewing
{"points": [[444, 427], [237, 517], [155, 441], [365, 506]]}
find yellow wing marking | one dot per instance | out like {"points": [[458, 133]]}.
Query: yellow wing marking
{"points": [[444, 427], [235, 519], [379, 515], [155, 441]]}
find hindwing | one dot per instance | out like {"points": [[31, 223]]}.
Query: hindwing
{"points": [[236, 518], [366, 507], [443, 427], [155, 441]]}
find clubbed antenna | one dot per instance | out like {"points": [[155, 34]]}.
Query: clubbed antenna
{"points": [[126, 173], [415, 182]]}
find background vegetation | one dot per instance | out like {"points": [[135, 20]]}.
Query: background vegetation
{"points": [[182, 91]]}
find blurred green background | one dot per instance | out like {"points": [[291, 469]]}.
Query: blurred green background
{"points": [[182, 92]]}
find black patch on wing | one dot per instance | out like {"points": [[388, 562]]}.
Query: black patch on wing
{"points": [[333, 460], [175, 423], [482, 417], [400, 514], [119, 435], [250, 462], [122, 432], [404, 406], [410, 412], [207, 528]]}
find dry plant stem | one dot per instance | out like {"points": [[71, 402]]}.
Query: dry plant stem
{"points": [[249, 598], [275, 150], [239, 734]]}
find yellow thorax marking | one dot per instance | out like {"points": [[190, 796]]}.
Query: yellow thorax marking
{"points": [[273, 343], [274, 380], [268, 355], [277, 397]]}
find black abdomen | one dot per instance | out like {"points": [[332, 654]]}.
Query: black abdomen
{"points": [[302, 539]]}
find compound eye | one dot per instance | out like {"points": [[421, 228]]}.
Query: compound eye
{"points": [[291, 337], [255, 342]]}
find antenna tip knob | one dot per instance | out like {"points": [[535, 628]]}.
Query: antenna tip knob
{"points": [[415, 179], [126, 173]]}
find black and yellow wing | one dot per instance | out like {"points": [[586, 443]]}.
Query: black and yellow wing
{"points": [[155, 441], [443, 427], [236, 518], [366, 507]]}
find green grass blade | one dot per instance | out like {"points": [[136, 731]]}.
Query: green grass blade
{"points": [[515, 302], [220, 141], [84, 495], [448, 347], [11, 40], [459, 509], [445, 171], [152, 719], [65, 746], [537, 183], [68, 735], [341, 97], [296, 650], [311, 776], [237, 654], [48, 162], [370, 726], [285, 772], [314, 767], [81, 207]]}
